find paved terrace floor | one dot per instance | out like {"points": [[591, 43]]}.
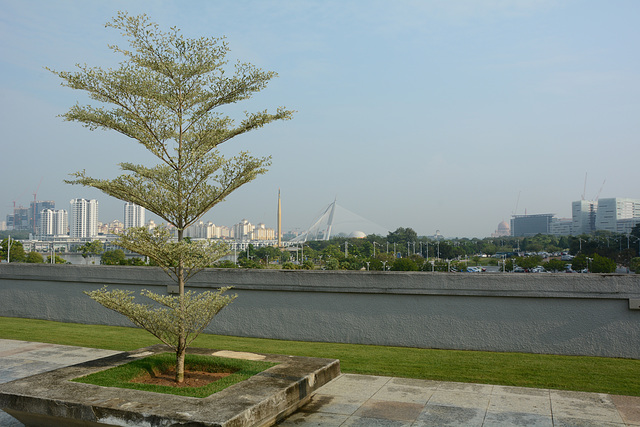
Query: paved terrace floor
{"points": [[364, 400]]}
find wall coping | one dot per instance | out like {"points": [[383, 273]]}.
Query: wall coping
{"points": [[538, 285]]}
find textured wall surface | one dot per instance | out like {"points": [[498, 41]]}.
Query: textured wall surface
{"points": [[581, 314]]}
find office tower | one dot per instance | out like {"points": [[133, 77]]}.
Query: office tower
{"points": [[617, 215], [583, 217], [530, 225]]}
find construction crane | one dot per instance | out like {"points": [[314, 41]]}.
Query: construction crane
{"points": [[601, 187], [517, 202]]}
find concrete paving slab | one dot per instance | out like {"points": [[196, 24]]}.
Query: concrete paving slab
{"points": [[629, 408], [586, 406], [333, 404], [518, 403], [466, 387], [318, 419], [461, 399], [581, 422], [515, 419], [355, 385], [443, 416], [413, 382], [404, 393], [395, 411], [520, 391], [375, 422]]}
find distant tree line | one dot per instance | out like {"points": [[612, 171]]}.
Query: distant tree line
{"points": [[404, 250]]}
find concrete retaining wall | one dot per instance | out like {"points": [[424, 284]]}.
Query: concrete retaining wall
{"points": [[577, 314]]}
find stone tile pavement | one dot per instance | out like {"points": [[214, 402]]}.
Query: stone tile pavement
{"points": [[363, 400]]}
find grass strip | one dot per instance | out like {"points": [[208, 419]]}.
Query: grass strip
{"points": [[121, 376], [577, 373]]}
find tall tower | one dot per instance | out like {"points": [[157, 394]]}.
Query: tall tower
{"points": [[279, 221], [133, 215], [83, 218]]}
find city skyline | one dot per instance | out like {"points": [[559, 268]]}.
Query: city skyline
{"points": [[411, 114], [586, 218]]}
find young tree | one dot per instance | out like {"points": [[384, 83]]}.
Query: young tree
{"points": [[91, 249], [601, 264], [15, 254], [166, 96], [114, 257], [34, 258]]}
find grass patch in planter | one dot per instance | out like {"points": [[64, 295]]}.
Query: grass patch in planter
{"points": [[147, 374]]}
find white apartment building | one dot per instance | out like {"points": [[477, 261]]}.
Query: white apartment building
{"points": [[207, 230], [242, 230], [133, 215], [83, 218], [617, 211], [201, 230], [261, 232], [54, 222]]}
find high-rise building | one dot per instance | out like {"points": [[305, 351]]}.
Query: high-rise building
{"points": [[530, 225], [261, 232], [583, 217], [83, 221], [53, 222], [617, 214], [201, 230], [561, 226], [133, 215], [19, 220], [35, 211], [242, 230]]}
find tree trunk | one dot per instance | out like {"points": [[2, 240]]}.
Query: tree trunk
{"points": [[180, 354], [182, 339]]}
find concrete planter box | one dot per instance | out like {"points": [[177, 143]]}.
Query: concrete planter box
{"points": [[51, 399]]}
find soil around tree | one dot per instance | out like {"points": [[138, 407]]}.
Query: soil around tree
{"points": [[191, 378]]}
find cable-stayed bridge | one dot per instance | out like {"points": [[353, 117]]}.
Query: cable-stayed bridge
{"points": [[338, 220]]}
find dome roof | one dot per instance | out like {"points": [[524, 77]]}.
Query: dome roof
{"points": [[503, 226], [358, 235]]}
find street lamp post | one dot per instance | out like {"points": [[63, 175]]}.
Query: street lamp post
{"points": [[9, 249]]}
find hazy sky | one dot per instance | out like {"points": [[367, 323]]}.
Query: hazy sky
{"points": [[433, 115]]}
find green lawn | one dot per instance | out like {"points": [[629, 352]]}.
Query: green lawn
{"points": [[578, 373]]}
